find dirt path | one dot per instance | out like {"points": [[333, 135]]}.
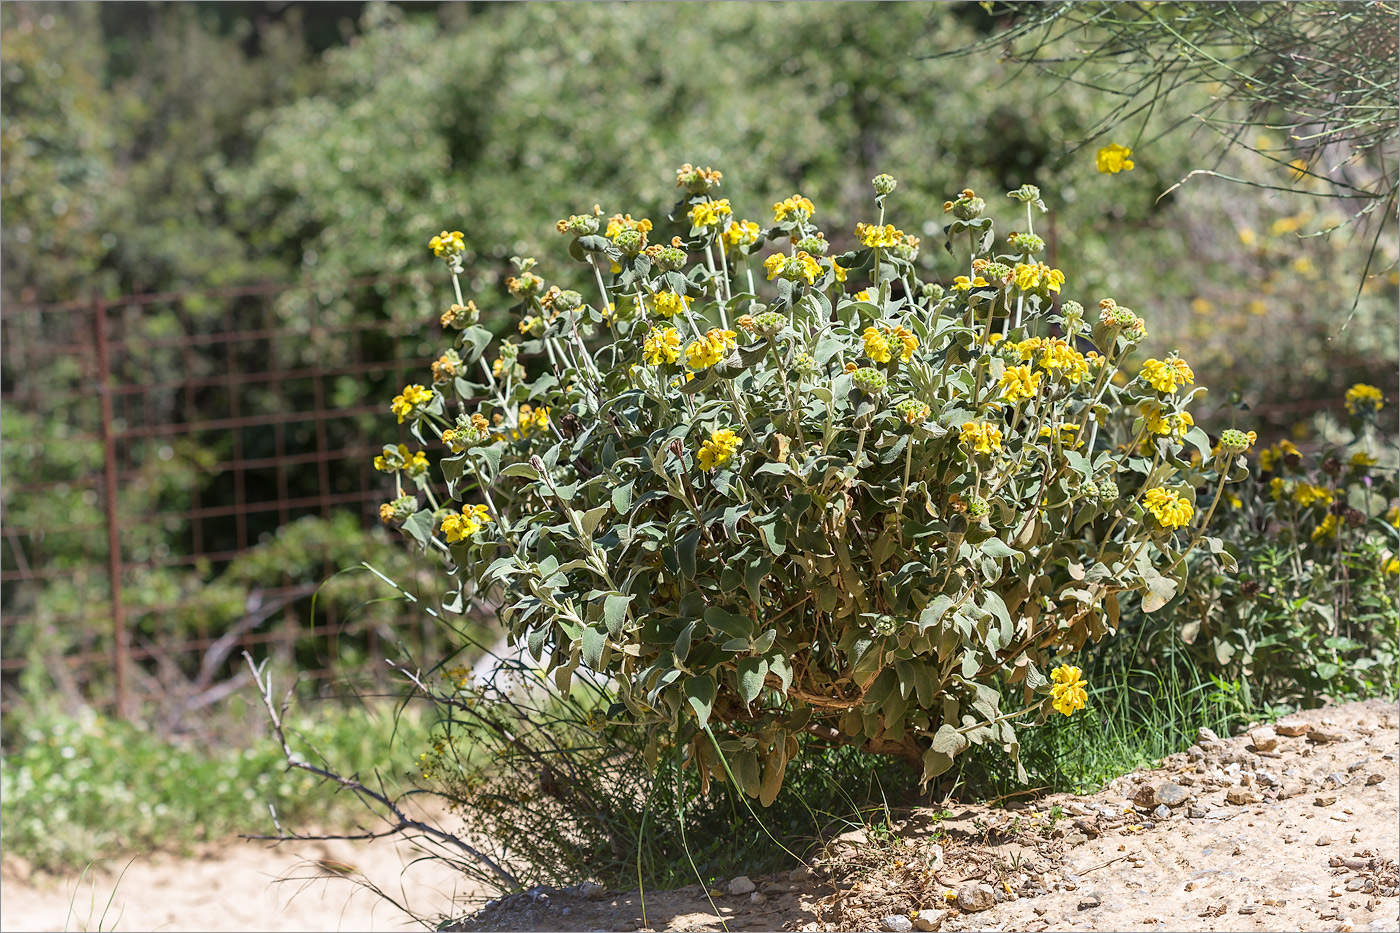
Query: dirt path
{"points": [[237, 885], [1270, 832]]}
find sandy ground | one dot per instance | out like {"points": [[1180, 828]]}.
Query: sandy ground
{"points": [[1250, 833], [238, 885], [1246, 833]]}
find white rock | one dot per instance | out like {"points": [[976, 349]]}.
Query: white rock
{"points": [[741, 885], [898, 923]]}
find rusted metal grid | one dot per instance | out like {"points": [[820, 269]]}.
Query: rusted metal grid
{"points": [[150, 441]]}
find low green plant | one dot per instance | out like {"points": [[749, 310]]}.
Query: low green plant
{"points": [[863, 515], [78, 788]]}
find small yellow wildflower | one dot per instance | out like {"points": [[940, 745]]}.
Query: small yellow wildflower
{"points": [[962, 283], [1307, 494], [663, 345], [620, 222], [863, 295], [741, 233], [1327, 528], [839, 270], [1392, 516], [719, 449], [1361, 460], [1169, 509], [414, 396], [1019, 383], [669, 304], [1392, 566], [446, 242], [983, 436], [797, 206], [1068, 434], [709, 213], [1166, 375], [774, 264], [1068, 694], [707, 350], [1284, 449], [1363, 398], [876, 236], [1174, 425], [908, 343], [1030, 277], [472, 519], [1113, 159], [876, 346]]}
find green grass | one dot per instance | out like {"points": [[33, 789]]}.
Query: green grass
{"points": [[75, 789]]}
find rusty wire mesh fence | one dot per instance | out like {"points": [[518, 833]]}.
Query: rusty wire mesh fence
{"points": [[181, 472]]}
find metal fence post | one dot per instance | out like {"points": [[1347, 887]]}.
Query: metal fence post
{"points": [[109, 468]]}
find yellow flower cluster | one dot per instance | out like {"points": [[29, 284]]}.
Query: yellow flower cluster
{"points": [[879, 344], [1113, 159], [414, 396], [446, 242], [532, 421], [1170, 510], [1068, 694], [1166, 375], [669, 304], [709, 213], [983, 436], [876, 236], [1056, 355], [663, 345], [1327, 528], [705, 351], [1364, 398], [1307, 494], [800, 266], [620, 222], [1068, 434], [1270, 457], [458, 441], [719, 449], [1032, 276], [1019, 383], [963, 284], [1392, 516], [472, 519], [741, 233], [1175, 424], [876, 346], [795, 206]]}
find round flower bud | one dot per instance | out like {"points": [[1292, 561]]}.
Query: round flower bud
{"points": [[932, 291], [1234, 442], [769, 324], [884, 184], [977, 508], [1108, 491], [1090, 490], [459, 317], [804, 364], [1074, 314], [912, 411], [670, 259], [1354, 517], [870, 381], [969, 206], [886, 625], [578, 225], [1025, 193], [906, 249], [1027, 243], [630, 240], [996, 272], [568, 300], [815, 244], [524, 285]]}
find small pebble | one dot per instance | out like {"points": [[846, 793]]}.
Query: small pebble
{"points": [[898, 923], [741, 885]]}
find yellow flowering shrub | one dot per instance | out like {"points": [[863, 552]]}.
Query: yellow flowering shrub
{"points": [[833, 499]]}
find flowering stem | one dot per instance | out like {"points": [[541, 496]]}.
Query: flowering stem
{"points": [[904, 486], [1205, 523], [792, 399], [1142, 491], [710, 262], [485, 490]]}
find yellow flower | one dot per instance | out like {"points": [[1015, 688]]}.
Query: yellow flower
{"points": [[446, 242], [417, 465], [1173, 425], [705, 351], [1166, 375], [1364, 398], [863, 295], [1059, 355], [620, 222], [1169, 509], [908, 343], [774, 265], [392, 464], [1030, 277], [1392, 515], [1327, 528], [719, 449], [663, 345], [669, 304], [883, 237], [386, 512], [1361, 460], [984, 436], [876, 346], [962, 283], [809, 268], [741, 233], [1113, 159], [709, 212], [412, 397], [1270, 458], [795, 205], [1306, 494], [472, 519], [1068, 694], [1019, 383], [839, 270], [1392, 566], [1069, 434]]}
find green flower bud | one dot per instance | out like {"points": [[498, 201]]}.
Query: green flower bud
{"points": [[568, 300], [815, 244], [996, 272], [770, 323], [1027, 243], [631, 241], [1108, 492], [670, 259], [804, 364], [884, 184], [1025, 193], [1233, 441], [978, 508], [870, 381]]}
